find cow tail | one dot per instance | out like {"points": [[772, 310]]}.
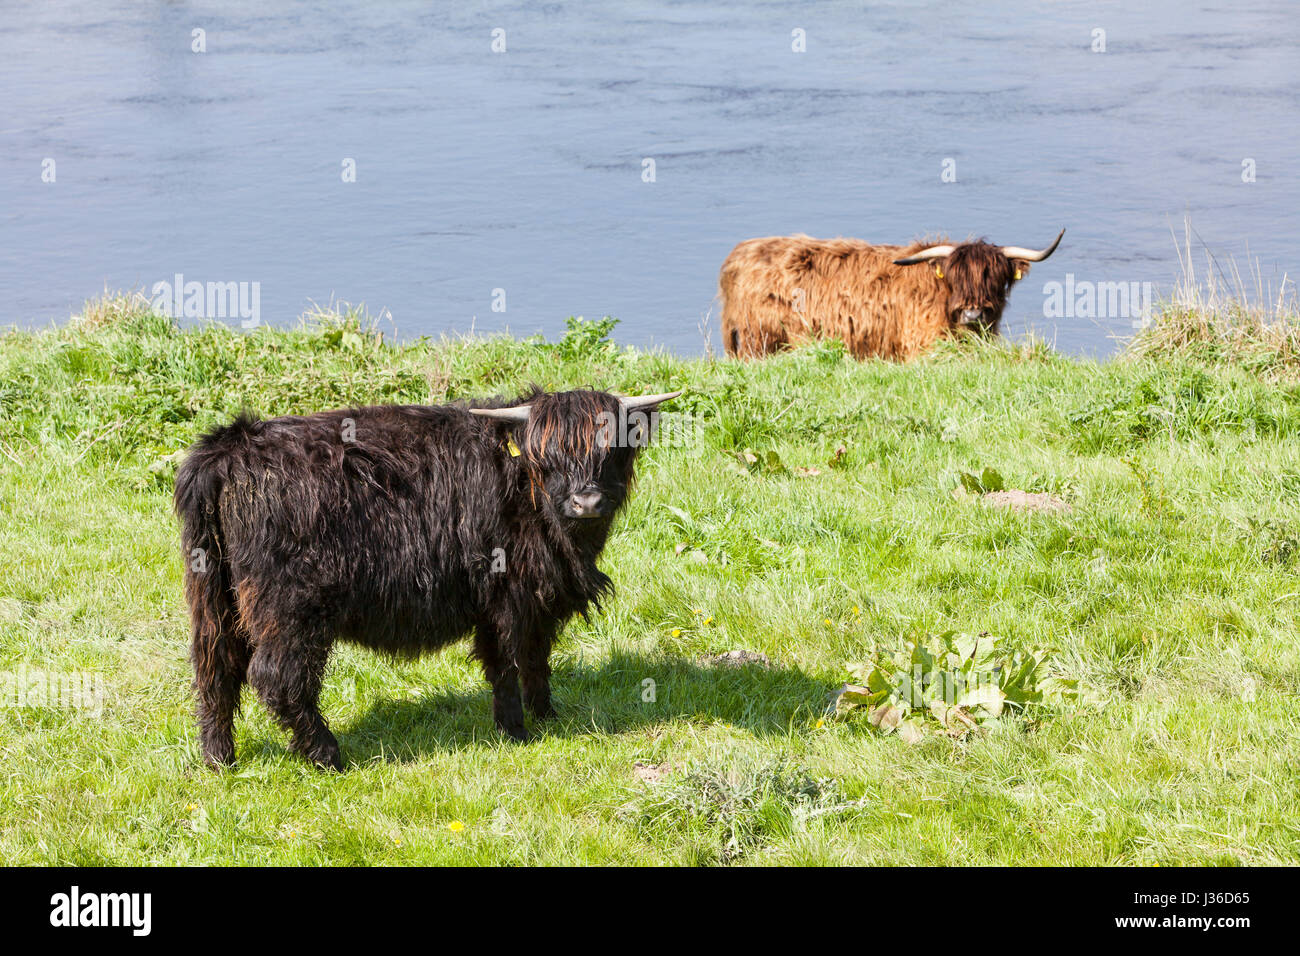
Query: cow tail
{"points": [[218, 649]]}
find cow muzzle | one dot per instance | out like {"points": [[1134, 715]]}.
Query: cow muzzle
{"points": [[584, 504]]}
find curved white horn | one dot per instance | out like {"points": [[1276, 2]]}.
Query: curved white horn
{"points": [[516, 413], [641, 401], [1031, 255], [925, 255]]}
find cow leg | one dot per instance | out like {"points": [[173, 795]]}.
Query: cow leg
{"points": [[287, 676], [500, 670], [218, 679], [535, 672]]}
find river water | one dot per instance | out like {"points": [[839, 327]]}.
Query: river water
{"points": [[516, 178]]}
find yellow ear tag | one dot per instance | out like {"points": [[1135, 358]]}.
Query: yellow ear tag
{"points": [[512, 448], [938, 272], [1017, 273]]}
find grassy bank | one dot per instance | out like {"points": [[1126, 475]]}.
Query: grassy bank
{"points": [[1167, 586]]}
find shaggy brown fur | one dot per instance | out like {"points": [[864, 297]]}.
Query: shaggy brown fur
{"points": [[786, 290]]}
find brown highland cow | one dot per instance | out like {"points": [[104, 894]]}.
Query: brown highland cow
{"points": [[786, 290]]}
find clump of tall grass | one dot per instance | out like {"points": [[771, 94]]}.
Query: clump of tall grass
{"points": [[730, 809], [1220, 316], [110, 310]]}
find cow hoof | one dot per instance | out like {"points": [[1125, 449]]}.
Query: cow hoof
{"points": [[519, 735], [326, 757], [218, 751]]}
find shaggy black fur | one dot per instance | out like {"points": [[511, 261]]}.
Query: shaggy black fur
{"points": [[429, 523]]}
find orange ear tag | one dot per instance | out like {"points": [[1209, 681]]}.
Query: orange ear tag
{"points": [[1017, 273], [512, 448], [938, 272]]}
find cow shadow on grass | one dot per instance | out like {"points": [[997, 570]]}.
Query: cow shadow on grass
{"points": [[622, 695]]}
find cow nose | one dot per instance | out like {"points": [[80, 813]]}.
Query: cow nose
{"points": [[586, 504], [972, 316]]}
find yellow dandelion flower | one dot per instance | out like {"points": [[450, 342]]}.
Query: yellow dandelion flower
{"points": [[708, 620], [857, 611], [677, 632], [820, 723], [828, 622], [455, 826]]}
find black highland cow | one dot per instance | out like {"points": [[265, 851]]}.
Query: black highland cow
{"points": [[401, 528]]}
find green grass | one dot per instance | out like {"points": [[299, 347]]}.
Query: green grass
{"points": [[1169, 587]]}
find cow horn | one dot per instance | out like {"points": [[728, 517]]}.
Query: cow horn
{"points": [[515, 413], [642, 401], [925, 255], [1031, 255]]}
